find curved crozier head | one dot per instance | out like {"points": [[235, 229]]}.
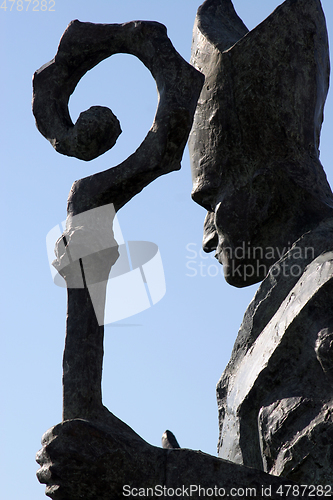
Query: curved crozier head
{"points": [[83, 45], [254, 144]]}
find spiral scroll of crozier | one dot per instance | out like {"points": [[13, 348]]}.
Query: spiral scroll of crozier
{"points": [[83, 46]]}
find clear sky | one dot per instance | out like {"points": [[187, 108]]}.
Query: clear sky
{"points": [[161, 366]]}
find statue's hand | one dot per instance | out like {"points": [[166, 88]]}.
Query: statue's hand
{"points": [[80, 459], [104, 459]]}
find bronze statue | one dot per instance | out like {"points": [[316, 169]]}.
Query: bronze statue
{"points": [[255, 165], [256, 170]]}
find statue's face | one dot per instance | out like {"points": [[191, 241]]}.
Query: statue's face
{"points": [[242, 224]]}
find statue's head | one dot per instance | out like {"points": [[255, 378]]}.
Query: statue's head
{"points": [[255, 140]]}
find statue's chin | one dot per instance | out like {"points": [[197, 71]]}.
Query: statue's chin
{"points": [[241, 273]]}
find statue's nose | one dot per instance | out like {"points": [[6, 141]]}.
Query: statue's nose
{"points": [[210, 244], [210, 236]]}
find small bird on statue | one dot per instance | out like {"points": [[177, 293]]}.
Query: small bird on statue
{"points": [[169, 440]]}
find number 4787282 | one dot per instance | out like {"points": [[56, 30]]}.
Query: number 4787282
{"points": [[23, 5]]}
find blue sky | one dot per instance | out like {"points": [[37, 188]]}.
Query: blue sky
{"points": [[161, 366]]}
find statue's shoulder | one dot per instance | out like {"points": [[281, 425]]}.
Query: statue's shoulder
{"points": [[303, 273]]}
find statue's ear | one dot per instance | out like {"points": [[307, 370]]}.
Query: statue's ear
{"points": [[263, 97]]}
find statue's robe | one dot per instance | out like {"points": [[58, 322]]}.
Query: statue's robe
{"points": [[275, 396]]}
